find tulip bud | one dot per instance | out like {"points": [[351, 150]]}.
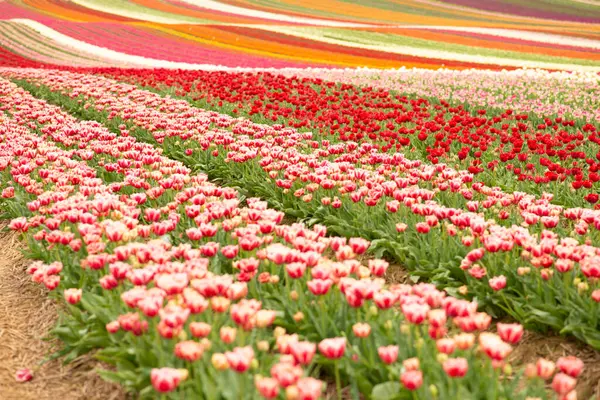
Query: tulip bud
{"points": [[582, 287], [433, 390], [254, 363], [441, 357], [388, 325], [405, 329], [228, 334], [530, 371], [219, 361], [278, 331], [206, 344], [263, 345], [291, 392], [183, 373], [463, 290], [411, 364], [294, 295], [299, 316]]}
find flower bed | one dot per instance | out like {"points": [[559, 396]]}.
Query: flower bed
{"points": [[521, 138], [164, 271], [513, 252]]}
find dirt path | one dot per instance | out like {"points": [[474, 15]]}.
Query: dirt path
{"points": [[26, 317]]}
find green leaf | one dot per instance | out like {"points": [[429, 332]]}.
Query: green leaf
{"points": [[386, 391]]}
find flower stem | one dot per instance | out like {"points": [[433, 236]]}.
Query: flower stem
{"points": [[338, 383]]}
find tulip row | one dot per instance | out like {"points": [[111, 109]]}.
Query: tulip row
{"points": [[570, 95], [543, 273], [166, 271], [526, 151]]}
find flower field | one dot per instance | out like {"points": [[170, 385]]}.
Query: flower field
{"points": [[224, 207]]}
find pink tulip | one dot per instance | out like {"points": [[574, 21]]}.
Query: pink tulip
{"points": [[456, 367], [333, 348], [570, 365], [412, 380], [73, 296], [165, 380], [388, 354], [498, 283], [510, 333], [23, 375]]}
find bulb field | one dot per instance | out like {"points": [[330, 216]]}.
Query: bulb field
{"points": [[236, 200]]}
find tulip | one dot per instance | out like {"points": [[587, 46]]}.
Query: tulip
{"points": [[464, 341], [445, 346], [219, 361], [309, 389], [319, 287], [493, 346], [303, 352], [498, 283], [378, 267], [240, 358], [456, 367], [200, 329], [412, 380], [401, 227], [286, 374], [411, 364], [333, 348], [388, 354], [570, 365], [511, 333], [361, 329], [544, 368], [189, 350], [23, 375], [113, 327], [415, 313], [563, 383], [165, 380], [72, 296], [227, 334], [267, 387]]}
